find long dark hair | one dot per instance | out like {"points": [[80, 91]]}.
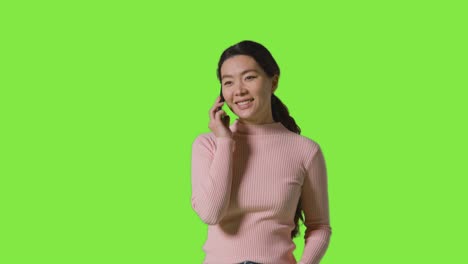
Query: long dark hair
{"points": [[280, 112]]}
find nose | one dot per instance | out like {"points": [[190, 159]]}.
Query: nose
{"points": [[240, 89]]}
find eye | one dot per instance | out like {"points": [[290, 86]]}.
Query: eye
{"points": [[227, 83], [250, 77]]}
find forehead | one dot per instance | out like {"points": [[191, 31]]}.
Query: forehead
{"points": [[239, 63]]}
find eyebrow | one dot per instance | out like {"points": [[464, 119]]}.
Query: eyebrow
{"points": [[242, 73]]}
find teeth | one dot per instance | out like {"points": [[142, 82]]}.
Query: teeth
{"points": [[244, 102]]}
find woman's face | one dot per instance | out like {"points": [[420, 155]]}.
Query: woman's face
{"points": [[247, 89]]}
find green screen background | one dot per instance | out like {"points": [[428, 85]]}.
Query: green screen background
{"points": [[100, 102]]}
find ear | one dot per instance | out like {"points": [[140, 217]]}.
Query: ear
{"points": [[275, 81]]}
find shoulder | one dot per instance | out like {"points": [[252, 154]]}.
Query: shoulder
{"points": [[309, 148], [204, 144], [208, 143], [205, 139], [314, 153], [310, 143], [306, 143]]}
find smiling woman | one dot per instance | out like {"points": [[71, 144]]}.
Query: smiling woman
{"points": [[253, 181], [247, 89]]}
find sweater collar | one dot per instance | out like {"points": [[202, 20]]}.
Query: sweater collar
{"points": [[257, 129]]}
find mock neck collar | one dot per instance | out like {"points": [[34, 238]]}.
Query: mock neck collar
{"points": [[240, 128]]}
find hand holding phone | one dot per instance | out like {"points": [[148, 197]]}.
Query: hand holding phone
{"points": [[219, 120], [225, 116]]}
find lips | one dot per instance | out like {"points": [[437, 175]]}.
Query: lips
{"points": [[244, 101], [244, 104]]}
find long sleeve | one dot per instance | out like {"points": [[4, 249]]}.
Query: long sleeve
{"points": [[211, 178], [316, 210]]}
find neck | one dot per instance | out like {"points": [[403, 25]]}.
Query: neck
{"points": [[246, 122], [241, 128]]}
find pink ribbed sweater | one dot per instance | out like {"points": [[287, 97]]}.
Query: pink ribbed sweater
{"points": [[247, 188]]}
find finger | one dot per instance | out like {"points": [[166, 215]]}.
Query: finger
{"points": [[218, 99], [214, 109], [213, 112]]}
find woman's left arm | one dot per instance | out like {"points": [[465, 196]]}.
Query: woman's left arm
{"points": [[316, 212]]}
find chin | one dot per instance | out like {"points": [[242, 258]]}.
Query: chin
{"points": [[244, 115]]}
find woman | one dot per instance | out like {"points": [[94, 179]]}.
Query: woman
{"points": [[252, 180]]}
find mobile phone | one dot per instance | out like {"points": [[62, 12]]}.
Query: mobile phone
{"points": [[222, 98], [225, 117]]}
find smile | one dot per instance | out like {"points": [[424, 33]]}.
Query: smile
{"points": [[242, 105], [245, 102]]}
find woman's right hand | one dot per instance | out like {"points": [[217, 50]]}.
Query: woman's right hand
{"points": [[218, 125]]}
